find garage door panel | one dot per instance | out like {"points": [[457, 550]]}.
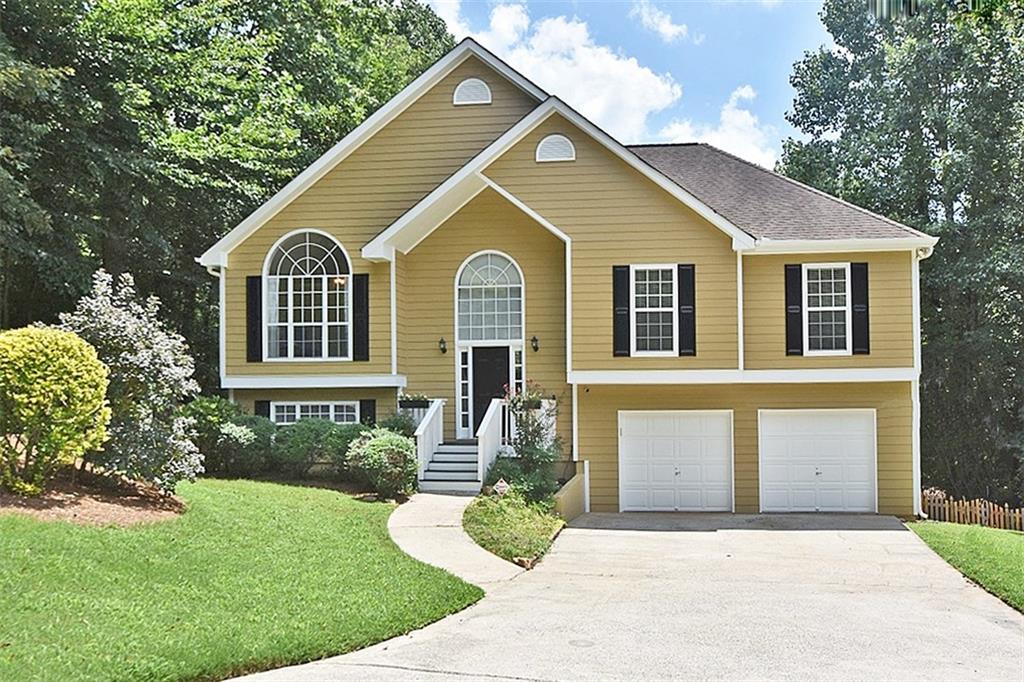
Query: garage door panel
{"points": [[817, 460], [676, 460]]}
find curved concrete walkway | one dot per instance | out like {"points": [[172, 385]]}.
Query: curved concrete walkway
{"points": [[429, 527]]}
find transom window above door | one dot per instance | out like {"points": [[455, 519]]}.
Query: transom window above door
{"points": [[654, 309], [490, 299], [827, 322], [308, 299]]}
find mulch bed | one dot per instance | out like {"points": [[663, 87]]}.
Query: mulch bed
{"points": [[95, 500]]}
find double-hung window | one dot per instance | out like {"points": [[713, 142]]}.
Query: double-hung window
{"points": [[340, 412], [654, 313], [827, 327]]}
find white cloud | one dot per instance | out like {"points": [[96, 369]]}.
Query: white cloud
{"points": [[610, 88], [738, 131], [657, 20]]}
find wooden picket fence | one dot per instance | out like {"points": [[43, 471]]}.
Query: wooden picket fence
{"points": [[979, 512]]}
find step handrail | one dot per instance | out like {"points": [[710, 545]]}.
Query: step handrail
{"points": [[489, 437], [429, 434]]}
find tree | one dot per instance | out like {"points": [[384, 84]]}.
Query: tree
{"points": [[52, 404], [150, 378], [920, 119], [137, 132]]}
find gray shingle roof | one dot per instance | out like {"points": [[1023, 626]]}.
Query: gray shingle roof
{"points": [[762, 203]]}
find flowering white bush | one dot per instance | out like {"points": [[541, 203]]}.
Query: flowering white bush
{"points": [[150, 377]]}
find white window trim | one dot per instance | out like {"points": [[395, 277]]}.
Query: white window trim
{"points": [[806, 310], [633, 352], [571, 157], [300, 403], [474, 102], [265, 323]]}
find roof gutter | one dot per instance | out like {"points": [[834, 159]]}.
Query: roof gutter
{"points": [[787, 246]]}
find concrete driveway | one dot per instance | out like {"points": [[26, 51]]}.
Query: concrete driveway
{"points": [[644, 596]]}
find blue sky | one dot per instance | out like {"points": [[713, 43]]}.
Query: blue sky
{"points": [[658, 70]]}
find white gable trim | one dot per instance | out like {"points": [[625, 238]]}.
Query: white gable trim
{"points": [[217, 255], [795, 246], [377, 248]]}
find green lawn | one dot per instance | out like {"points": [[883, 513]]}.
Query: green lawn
{"points": [[252, 576], [509, 527], [990, 557]]}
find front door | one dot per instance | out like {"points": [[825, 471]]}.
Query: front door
{"points": [[490, 376]]}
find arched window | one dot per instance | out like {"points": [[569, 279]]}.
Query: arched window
{"points": [[472, 91], [490, 299], [555, 148], [308, 298]]}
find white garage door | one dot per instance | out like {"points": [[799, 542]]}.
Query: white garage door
{"points": [[677, 460], [817, 460]]}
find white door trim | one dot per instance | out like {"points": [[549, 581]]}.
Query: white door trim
{"points": [[732, 447], [760, 448]]}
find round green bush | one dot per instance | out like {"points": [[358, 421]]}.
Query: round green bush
{"points": [[400, 423], [52, 404], [209, 414], [244, 447], [387, 460], [307, 442]]}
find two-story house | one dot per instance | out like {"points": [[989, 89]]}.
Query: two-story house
{"points": [[715, 336]]}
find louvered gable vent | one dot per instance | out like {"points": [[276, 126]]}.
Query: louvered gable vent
{"points": [[555, 148], [472, 91]]}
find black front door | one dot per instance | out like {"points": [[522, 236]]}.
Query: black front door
{"points": [[490, 375]]}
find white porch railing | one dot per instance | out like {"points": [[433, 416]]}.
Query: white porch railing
{"points": [[489, 436], [429, 433], [416, 413]]}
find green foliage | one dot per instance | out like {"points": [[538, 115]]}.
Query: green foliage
{"points": [[308, 442], [244, 447], [52, 404], [991, 557], [134, 133], [253, 576], [920, 120], [535, 444], [150, 377], [510, 526], [400, 423], [537, 485], [208, 414], [387, 460]]}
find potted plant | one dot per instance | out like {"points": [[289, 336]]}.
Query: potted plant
{"points": [[528, 399], [409, 401]]}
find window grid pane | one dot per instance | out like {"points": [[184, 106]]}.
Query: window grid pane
{"points": [[826, 309], [654, 309]]}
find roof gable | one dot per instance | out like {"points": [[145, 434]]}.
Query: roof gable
{"points": [[217, 255]]}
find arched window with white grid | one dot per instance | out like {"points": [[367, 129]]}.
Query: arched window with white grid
{"points": [[308, 298], [490, 299]]}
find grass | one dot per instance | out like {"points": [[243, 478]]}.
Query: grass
{"points": [[252, 576], [509, 527], [991, 557]]}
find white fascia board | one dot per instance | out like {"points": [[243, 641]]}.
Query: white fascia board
{"points": [[314, 381], [218, 253], [518, 203], [740, 239], [748, 376], [795, 246]]}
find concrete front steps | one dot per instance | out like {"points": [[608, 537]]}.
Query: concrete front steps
{"points": [[452, 468]]}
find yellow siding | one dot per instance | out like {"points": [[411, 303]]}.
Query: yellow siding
{"points": [[364, 194], [598, 425], [386, 397], [426, 311], [890, 311], [616, 216]]}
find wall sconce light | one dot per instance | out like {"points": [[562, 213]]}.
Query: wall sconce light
{"points": [[442, 345], [535, 344]]}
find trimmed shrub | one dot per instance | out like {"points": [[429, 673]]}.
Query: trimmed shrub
{"points": [[307, 442], [150, 377], [244, 447], [509, 468], [52, 404], [209, 414], [387, 460], [400, 423]]}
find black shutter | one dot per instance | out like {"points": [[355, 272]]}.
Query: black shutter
{"points": [[368, 412], [254, 319], [261, 408], [361, 317], [687, 311], [859, 299], [620, 310], [794, 310]]}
